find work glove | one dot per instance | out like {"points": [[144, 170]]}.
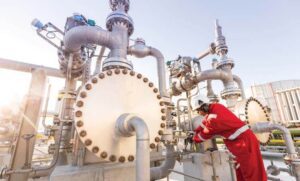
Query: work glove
{"points": [[190, 137]]}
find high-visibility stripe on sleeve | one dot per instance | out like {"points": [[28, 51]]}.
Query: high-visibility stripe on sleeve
{"points": [[202, 125], [211, 116], [200, 137]]}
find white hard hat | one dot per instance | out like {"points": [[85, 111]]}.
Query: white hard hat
{"points": [[198, 101]]}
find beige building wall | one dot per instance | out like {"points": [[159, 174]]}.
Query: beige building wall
{"points": [[282, 97]]}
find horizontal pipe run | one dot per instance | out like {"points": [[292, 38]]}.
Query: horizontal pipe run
{"points": [[27, 67], [82, 35]]}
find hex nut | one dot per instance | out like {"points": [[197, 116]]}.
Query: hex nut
{"points": [[82, 133], [101, 75], [157, 139], [109, 73], [130, 158], [79, 124], [95, 149], [88, 86], [152, 145], [122, 159], [125, 71], [145, 79], [103, 154], [78, 113], [79, 104], [88, 142], [132, 73], [83, 94], [112, 158], [94, 80], [117, 71]]}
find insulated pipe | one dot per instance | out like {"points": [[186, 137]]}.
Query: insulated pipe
{"points": [[272, 155], [163, 170], [268, 127], [126, 125], [140, 50], [187, 84], [210, 91], [239, 82], [81, 35]]}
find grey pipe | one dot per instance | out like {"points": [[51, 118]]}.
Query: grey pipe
{"points": [[27, 67], [82, 35], [140, 50], [239, 82], [163, 170], [184, 84], [126, 125], [292, 156], [268, 127], [272, 155]]}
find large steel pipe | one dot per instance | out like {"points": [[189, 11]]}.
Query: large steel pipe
{"points": [[140, 50], [82, 35], [126, 125], [239, 82], [184, 85], [163, 170], [267, 127]]}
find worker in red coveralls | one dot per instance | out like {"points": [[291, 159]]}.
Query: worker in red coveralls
{"points": [[238, 138]]}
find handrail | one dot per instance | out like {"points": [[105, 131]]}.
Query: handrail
{"points": [[171, 170]]}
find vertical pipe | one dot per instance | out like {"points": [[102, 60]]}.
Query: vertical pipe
{"points": [[30, 119], [126, 125]]}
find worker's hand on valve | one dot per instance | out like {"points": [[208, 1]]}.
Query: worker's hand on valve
{"points": [[190, 137]]}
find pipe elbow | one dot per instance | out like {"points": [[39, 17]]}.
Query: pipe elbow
{"points": [[81, 35], [139, 50]]}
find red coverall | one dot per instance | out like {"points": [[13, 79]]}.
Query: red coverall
{"points": [[244, 146]]}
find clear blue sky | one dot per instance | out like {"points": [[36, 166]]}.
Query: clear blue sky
{"points": [[263, 35]]}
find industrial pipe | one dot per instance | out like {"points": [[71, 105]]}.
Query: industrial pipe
{"points": [[268, 127], [187, 84], [126, 125], [291, 157], [163, 170], [82, 35], [140, 50], [272, 155], [239, 82], [27, 67]]}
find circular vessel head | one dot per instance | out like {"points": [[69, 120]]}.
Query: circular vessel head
{"points": [[107, 96], [252, 111]]}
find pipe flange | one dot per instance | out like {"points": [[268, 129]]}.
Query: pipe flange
{"points": [[119, 17], [263, 138], [114, 4], [103, 99], [225, 62], [231, 92]]}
